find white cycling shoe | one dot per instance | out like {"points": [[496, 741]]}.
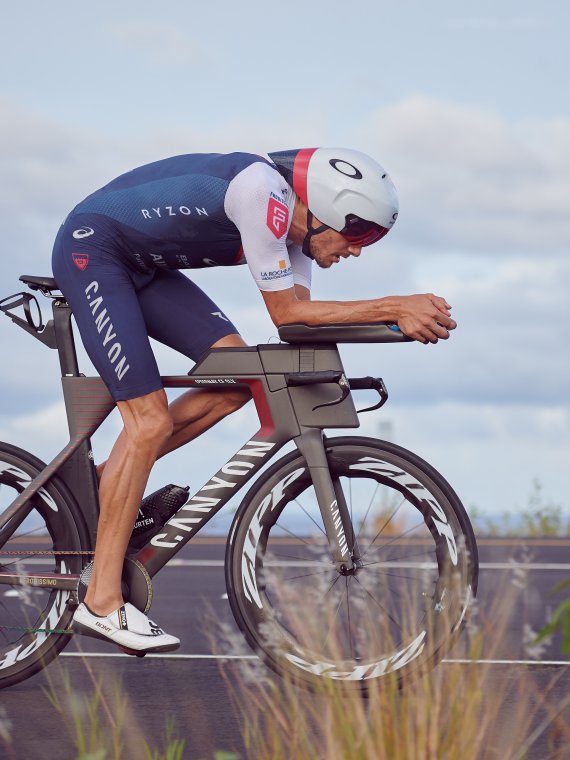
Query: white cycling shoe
{"points": [[127, 627]]}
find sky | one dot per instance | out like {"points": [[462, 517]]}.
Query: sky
{"points": [[466, 105]]}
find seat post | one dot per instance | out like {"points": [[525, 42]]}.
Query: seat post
{"points": [[64, 338]]}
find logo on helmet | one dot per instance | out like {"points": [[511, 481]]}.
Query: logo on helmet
{"points": [[343, 167]]}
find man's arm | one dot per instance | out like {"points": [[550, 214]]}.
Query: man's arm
{"points": [[425, 317]]}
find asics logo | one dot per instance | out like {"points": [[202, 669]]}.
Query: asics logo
{"points": [[83, 232]]}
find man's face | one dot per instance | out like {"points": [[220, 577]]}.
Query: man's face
{"points": [[329, 247]]}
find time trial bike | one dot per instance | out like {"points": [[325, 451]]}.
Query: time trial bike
{"points": [[349, 558]]}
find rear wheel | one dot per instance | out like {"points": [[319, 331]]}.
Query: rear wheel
{"points": [[397, 612], [34, 617]]}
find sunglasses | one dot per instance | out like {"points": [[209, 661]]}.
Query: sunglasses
{"points": [[360, 232]]}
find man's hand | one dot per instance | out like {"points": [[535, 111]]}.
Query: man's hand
{"points": [[425, 318]]}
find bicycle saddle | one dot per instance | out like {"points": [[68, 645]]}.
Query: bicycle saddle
{"points": [[39, 283]]}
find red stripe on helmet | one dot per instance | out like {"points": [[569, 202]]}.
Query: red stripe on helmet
{"points": [[300, 168]]}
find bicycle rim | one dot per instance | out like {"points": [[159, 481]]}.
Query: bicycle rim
{"points": [[34, 619], [397, 612]]}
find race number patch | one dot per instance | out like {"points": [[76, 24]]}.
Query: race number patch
{"points": [[277, 216]]}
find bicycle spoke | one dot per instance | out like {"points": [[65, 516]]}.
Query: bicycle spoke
{"points": [[394, 513], [23, 559], [332, 584], [308, 575], [427, 552], [392, 590], [310, 516], [295, 557], [396, 575], [396, 538], [293, 535], [378, 603], [31, 532], [348, 620], [363, 522], [335, 615]]}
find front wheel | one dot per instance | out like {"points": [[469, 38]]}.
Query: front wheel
{"points": [[397, 612]]}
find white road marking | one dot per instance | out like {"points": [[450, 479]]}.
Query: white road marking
{"points": [[254, 657], [553, 566], [557, 566]]}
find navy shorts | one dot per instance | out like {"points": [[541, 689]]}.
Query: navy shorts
{"points": [[117, 307]]}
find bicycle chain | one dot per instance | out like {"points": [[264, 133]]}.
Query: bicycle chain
{"points": [[35, 553]]}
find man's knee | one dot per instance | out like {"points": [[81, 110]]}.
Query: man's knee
{"points": [[146, 419]]}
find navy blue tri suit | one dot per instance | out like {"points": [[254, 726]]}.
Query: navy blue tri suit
{"points": [[117, 254]]}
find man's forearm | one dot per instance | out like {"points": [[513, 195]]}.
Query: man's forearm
{"points": [[340, 312], [424, 317]]}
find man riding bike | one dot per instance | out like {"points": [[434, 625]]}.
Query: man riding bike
{"points": [[116, 259]]}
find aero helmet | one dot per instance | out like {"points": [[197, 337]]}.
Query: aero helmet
{"points": [[345, 189]]}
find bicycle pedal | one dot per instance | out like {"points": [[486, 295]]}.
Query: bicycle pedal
{"points": [[132, 652]]}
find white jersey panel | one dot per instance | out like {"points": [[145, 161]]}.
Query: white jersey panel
{"points": [[260, 203]]}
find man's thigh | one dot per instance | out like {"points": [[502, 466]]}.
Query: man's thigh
{"points": [[180, 315], [105, 305]]}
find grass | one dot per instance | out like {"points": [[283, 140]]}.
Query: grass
{"points": [[467, 711], [101, 722], [540, 517], [457, 711]]}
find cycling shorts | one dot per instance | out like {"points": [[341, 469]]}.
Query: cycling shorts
{"points": [[117, 307]]}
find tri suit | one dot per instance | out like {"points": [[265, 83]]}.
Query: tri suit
{"points": [[117, 254]]}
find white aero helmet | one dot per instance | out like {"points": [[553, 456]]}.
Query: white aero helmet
{"points": [[344, 189]]}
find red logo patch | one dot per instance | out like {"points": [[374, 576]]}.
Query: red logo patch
{"points": [[80, 260], [277, 217]]}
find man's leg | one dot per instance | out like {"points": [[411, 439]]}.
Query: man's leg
{"points": [[198, 410], [147, 425]]}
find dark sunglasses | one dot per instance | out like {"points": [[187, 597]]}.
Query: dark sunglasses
{"points": [[360, 232]]}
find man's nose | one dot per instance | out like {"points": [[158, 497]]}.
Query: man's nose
{"points": [[354, 250]]}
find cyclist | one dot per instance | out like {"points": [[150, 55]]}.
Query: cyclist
{"points": [[116, 259]]}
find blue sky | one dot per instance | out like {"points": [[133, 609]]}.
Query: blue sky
{"points": [[467, 105]]}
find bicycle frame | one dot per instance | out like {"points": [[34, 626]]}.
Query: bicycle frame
{"points": [[295, 388]]}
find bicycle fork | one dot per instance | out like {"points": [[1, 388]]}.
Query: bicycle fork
{"points": [[334, 510]]}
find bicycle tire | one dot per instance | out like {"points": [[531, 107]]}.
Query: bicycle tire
{"points": [[284, 610], [34, 621]]}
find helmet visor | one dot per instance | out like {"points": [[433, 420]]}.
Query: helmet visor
{"points": [[361, 232]]}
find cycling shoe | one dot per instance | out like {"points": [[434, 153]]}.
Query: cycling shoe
{"points": [[127, 627]]}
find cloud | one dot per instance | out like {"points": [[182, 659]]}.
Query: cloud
{"points": [[43, 431], [490, 453], [470, 180], [483, 223]]}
